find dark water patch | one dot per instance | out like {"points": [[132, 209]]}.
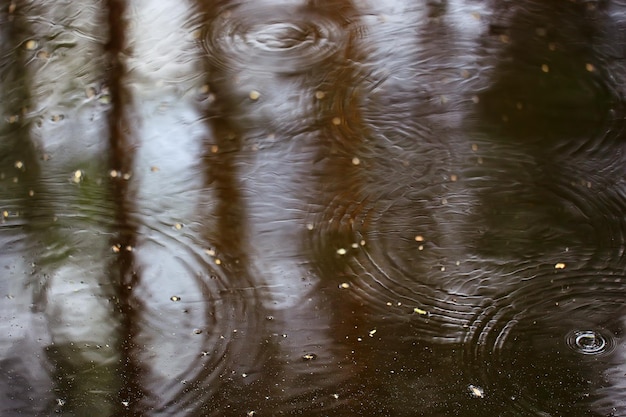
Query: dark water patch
{"points": [[568, 83], [571, 325]]}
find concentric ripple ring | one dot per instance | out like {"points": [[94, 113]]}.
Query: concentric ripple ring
{"points": [[267, 39]]}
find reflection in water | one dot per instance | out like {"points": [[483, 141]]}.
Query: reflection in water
{"points": [[313, 207]]}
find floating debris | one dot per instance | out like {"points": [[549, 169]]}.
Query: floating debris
{"points": [[90, 92], [475, 391], [356, 161], [254, 95], [559, 265], [545, 68], [341, 251], [178, 226], [175, 298], [78, 176], [336, 121], [320, 95], [371, 333], [344, 285], [30, 44], [419, 311], [419, 238], [309, 356]]}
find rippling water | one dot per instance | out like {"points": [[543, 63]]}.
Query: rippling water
{"points": [[315, 208]]}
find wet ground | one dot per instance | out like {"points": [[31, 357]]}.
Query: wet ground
{"points": [[316, 208]]}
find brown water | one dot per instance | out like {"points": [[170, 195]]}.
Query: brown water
{"points": [[316, 208]]}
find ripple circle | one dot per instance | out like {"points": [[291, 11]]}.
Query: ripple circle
{"points": [[555, 337], [284, 40]]}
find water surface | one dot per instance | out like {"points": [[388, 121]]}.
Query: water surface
{"points": [[312, 208]]}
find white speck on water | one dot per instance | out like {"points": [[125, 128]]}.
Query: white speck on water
{"points": [[475, 391]]}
